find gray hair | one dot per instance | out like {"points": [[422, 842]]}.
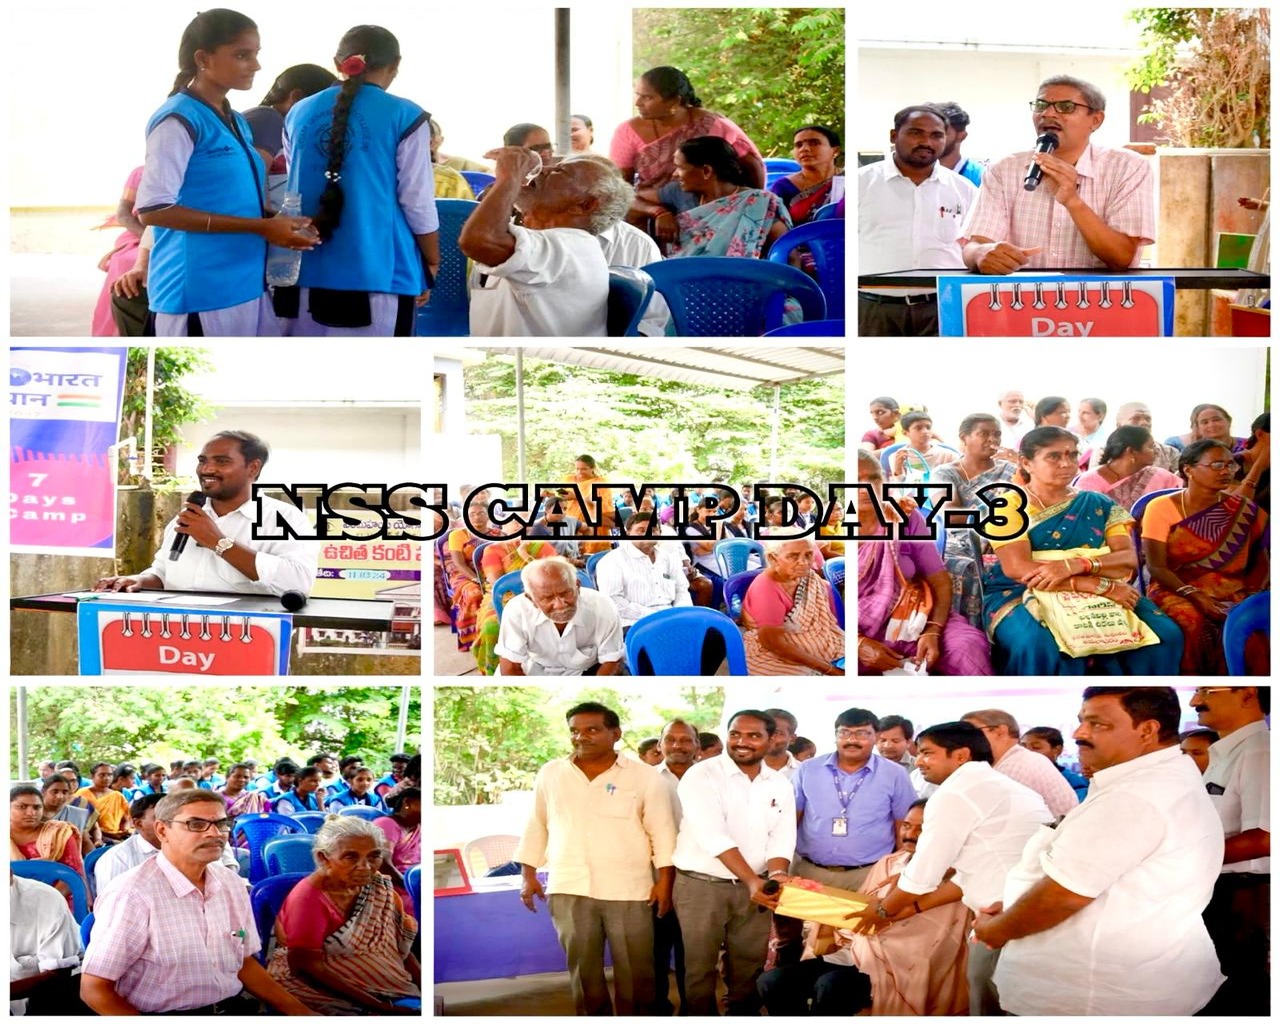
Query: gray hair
{"points": [[1092, 94], [615, 195], [993, 717], [339, 827], [174, 802], [774, 546], [542, 567]]}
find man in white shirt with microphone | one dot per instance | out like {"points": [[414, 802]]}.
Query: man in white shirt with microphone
{"points": [[1090, 206]]}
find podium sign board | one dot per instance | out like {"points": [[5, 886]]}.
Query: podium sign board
{"points": [[118, 638], [1045, 305]]}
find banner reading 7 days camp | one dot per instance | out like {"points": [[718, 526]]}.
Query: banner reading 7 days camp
{"points": [[64, 415]]}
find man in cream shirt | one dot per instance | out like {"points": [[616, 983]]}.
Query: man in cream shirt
{"points": [[601, 823]]}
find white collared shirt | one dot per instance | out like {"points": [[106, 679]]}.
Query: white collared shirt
{"points": [[1145, 846], [1035, 771], [599, 837], [282, 564], [1239, 763], [905, 226], [592, 637], [724, 809], [672, 782], [788, 770], [977, 822], [638, 586]]}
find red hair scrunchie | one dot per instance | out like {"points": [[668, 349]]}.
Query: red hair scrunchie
{"points": [[353, 65]]}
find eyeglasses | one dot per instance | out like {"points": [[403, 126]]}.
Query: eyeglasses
{"points": [[1212, 689], [201, 824], [547, 147], [855, 734], [1061, 106], [1217, 465]]}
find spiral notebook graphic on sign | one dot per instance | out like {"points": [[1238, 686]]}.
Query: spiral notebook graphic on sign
{"points": [[117, 639]]}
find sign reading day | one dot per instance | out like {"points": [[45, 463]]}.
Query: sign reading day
{"points": [[1044, 305]]}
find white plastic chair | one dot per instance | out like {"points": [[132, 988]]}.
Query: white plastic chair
{"points": [[492, 851]]}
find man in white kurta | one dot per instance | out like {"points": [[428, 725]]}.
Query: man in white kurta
{"points": [[1102, 914]]}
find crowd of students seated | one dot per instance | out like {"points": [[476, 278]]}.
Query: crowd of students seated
{"points": [[109, 834], [962, 869], [1174, 533], [579, 598]]}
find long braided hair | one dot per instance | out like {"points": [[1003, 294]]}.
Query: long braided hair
{"points": [[363, 49], [208, 30]]}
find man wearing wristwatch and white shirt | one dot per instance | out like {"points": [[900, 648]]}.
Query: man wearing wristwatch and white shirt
{"points": [[910, 209], [1101, 916], [221, 553], [738, 825], [977, 823]]}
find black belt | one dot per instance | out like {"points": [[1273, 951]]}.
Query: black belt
{"points": [[706, 878], [900, 300], [836, 867], [237, 1004], [1243, 879]]}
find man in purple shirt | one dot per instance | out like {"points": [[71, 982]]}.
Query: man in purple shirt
{"points": [[848, 804]]}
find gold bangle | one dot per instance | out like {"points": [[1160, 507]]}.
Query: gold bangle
{"points": [[208, 220], [1073, 586]]}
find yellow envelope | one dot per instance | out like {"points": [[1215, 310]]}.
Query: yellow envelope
{"points": [[826, 907]]}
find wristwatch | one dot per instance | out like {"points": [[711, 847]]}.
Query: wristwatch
{"points": [[880, 911], [223, 546]]}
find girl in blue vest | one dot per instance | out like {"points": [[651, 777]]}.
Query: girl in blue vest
{"points": [[203, 190], [361, 158], [359, 795], [303, 796]]}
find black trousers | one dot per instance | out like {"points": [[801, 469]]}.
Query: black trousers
{"points": [[835, 990], [1239, 922]]}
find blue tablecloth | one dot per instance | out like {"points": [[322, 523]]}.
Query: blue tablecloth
{"points": [[491, 935]]}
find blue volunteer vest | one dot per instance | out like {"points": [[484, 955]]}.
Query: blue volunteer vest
{"points": [[292, 798], [191, 271], [373, 249]]}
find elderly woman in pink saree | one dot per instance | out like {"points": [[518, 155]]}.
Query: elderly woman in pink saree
{"points": [[789, 625]]}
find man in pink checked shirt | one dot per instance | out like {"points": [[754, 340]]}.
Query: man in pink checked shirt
{"points": [[176, 934]]}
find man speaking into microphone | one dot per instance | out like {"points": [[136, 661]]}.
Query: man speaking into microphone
{"points": [[220, 553], [1088, 206]]}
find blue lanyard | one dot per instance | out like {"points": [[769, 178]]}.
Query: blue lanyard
{"points": [[864, 773]]}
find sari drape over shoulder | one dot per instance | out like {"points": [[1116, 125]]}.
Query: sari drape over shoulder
{"points": [[809, 622], [734, 225], [655, 161]]}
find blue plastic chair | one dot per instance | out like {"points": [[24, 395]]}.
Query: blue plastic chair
{"points": [[89, 862], [48, 871], [266, 898], [592, 562], [669, 642], [730, 296], [628, 300], [478, 180], [361, 811], [507, 587], [1136, 510], [413, 882], [448, 314], [828, 212], [735, 589], [86, 929], [1248, 617], [773, 164], [475, 560], [285, 855], [810, 329], [257, 829], [733, 554], [825, 241], [311, 820], [772, 176], [833, 570]]}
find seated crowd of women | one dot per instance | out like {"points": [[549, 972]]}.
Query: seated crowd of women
{"points": [[1127, 568]]}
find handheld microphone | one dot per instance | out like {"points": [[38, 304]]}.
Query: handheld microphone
{"points": [[293, 600], [1047, 143], [771, 887], [180, 539]]}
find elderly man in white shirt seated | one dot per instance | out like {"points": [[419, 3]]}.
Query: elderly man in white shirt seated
{"points": [[557, 628], [644, 574], [548, 276]]}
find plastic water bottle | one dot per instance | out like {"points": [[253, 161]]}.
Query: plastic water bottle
{"points": [[283, 265]]}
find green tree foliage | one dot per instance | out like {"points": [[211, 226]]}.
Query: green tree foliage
{"points": [[1216, 63], [173, 405], [639, 429], [143, 723], [491, 740], [770, 70]]}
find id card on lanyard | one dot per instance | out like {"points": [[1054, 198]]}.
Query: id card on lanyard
{"points": [[840, 825]]}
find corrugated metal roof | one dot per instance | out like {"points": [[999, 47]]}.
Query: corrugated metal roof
{"points": [[734, 367]]}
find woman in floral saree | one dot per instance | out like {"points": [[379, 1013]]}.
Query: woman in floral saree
{"points": [[1206, 551]]}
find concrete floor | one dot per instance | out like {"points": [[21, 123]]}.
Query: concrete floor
{"points": [[449, 661], [52, 295], [533, 995]]}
